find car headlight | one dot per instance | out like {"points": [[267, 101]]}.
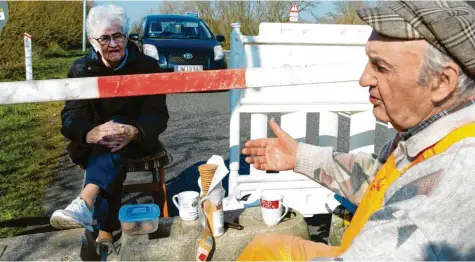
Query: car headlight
{"points": [[218, 52], [151, 51]]}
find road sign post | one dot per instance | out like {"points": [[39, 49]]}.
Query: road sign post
{"points": [[294, 13]]}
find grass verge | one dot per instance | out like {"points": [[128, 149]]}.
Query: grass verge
{"points": [[30, 147]]}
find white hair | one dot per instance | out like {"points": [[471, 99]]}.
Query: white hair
{"points": [[434, 62], [101, 17]]}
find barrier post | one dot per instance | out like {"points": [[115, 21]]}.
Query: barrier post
{"points": [[28, 57], [234, 100]]}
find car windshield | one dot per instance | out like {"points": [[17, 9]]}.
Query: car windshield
{"points": [[177, 29]]}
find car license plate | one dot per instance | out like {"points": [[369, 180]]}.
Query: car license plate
{"points": [[188, 68]]}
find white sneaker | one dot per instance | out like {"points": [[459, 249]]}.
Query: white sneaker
{"points": [[75, 215]]}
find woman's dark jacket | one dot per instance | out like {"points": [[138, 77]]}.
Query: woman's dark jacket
{"points": [[149, 114]]}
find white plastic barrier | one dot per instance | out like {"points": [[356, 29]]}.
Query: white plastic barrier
{"points": [[338, 53]]}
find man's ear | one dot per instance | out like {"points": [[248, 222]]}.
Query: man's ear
{"points": [[445, 84]]}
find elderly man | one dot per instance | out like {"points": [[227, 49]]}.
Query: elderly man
{"points": [[104, 131], [416, 199]]}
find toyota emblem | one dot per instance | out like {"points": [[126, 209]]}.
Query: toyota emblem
{"points": [[188, 56]]}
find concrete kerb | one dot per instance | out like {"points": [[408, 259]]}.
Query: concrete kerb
{"points": [[52, 246], [177, 240]]}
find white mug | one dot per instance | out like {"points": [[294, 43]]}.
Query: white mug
{"points": [[187, 204], [271, 208]]}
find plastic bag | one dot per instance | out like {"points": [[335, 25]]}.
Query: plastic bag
{"points": [[276, 247]]}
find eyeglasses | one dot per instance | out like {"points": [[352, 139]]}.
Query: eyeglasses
{"points": [[106, 39]]}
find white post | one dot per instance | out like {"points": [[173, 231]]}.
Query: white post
{"points": [[362, 132], [294, 124], [28, 57], [235, 49], [258, 130], [328, 129], [84, 7], [234, 126]]}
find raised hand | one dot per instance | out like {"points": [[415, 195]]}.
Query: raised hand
{"points": [[276, 154]]}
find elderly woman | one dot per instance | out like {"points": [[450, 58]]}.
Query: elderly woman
{"points": [[105, 130]]}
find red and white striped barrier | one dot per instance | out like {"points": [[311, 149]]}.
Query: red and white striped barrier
{"points": [[160, 83]]}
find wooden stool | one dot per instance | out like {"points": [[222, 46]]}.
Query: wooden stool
{"points": [[155, 164]]}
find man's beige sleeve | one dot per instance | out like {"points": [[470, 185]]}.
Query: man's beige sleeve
{"points": [[348, 175]]}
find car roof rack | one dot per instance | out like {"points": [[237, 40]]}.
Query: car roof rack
{"points": [[192, 14]]}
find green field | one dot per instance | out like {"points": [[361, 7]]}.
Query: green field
{"points": [[30, 143]]}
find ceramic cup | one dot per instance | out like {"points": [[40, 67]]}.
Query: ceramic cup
{"points": [[187, 204], [272, 207]]}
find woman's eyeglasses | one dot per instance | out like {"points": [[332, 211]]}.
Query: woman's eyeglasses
{"points": [[106, 39]]}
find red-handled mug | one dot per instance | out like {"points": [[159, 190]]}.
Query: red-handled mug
{"points": [[272, 207]]}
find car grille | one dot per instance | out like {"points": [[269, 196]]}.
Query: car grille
{"points": [[180, 60]]}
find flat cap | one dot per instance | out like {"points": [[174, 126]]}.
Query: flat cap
{"points": [[447, 25]]}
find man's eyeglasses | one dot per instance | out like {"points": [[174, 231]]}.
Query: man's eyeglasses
{"points": [[106, 39]]}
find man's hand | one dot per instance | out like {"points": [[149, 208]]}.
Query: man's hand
{"points": [[276, 154], [113, 135]]}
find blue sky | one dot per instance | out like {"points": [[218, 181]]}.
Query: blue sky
{"points": [[137, 9]]}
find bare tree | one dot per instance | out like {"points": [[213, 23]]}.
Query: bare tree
{"points": [[309, 7], [170, 7], [220, 14], [134, 28], [345, 13], [278, 11]]}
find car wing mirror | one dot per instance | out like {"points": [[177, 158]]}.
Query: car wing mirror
{"points": [[220, 38], [134, 37]]}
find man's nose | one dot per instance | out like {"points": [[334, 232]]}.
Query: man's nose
{"points": [[366, 78]]}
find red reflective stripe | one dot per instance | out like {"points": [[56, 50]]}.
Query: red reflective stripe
{"points": [[202, 257], [167, 83]]}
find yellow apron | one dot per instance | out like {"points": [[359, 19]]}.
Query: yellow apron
{"points": [[373, 199], [291, 248]]}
